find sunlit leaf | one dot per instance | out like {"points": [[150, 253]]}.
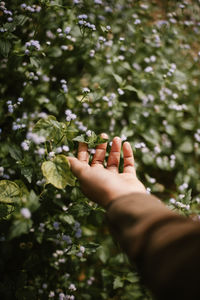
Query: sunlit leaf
{"points": [[57, 172], [9, 192], [118, 283], [50, 128]]}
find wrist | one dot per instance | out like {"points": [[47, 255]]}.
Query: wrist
{"points": [[123, 192]]}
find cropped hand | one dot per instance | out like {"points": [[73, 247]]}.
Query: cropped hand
{"points": [[101, 184]]}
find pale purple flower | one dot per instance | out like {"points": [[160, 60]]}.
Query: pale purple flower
{"points": [[67, 239], [86, 90], [25, 212]]}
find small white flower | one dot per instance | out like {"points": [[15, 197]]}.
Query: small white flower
{"points": [[172, 200], [64, 47], [82, 249], [59, 150], [92, 53], [120, 91], [89, 282], [25, 146], [72, 287], [51, 154], [62, 296], [51, 294], [65, 148], [67, 30], [123, 137], [88, 133], [148, 189], [1, 171], [86, 90], [41, 151], [148, 69], [137, 21], [25, 212]]}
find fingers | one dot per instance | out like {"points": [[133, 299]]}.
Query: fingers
{"points": [[76, 166], [114, 156], [100, 153], [128, 158], [83, 154]]}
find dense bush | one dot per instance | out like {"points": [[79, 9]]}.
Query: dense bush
{"points": [[69, 71]]}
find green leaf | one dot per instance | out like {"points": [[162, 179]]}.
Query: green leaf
{"points": [[130, 88], [188, 125], [55, 52], [10, 26], [33, 201], [186, 146], [69, 219], [80, 209], [170, 129], [15, 152], [103, 253], [152, 137], [27, 171], [131, 277], [93, 140], [20, 20], [118, 283], [51, 108], [34, 62], [80, 138], [163, 163], [23, 188], [188, 197], [5, 47], [71, 132], [103, 28], [147, 158], [57, 172], [18, 228], [9, 192], [50, 128], [140, 94], [118, 79], [3, 210]]}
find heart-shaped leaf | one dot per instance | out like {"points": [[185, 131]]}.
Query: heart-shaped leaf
{"points": [[57, 172], [9, 192]]}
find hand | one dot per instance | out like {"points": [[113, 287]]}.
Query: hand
{"points": [[101, 184]]}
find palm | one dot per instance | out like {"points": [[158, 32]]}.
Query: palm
{"points": [[97, 180]]}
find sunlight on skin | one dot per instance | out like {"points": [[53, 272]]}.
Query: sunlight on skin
{"points": [[101, 184]]}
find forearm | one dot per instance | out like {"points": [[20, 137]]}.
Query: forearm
{"points": [[159, 242]]}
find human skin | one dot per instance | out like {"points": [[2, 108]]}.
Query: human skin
{"points": [[105, 184]]}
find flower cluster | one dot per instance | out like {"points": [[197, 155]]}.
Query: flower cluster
{"points": [[69, 115], [31, 8], [32, 44], [84, 23]]}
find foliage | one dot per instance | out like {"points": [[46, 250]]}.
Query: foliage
{"points": [[69, 71]]}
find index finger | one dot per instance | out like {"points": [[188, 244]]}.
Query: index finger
{"points": [[83, 154]]}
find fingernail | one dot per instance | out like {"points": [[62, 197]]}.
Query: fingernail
{"points": [[104, 135], [117, 138]]}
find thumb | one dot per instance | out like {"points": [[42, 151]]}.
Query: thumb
{"points": [[76, 166]]}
